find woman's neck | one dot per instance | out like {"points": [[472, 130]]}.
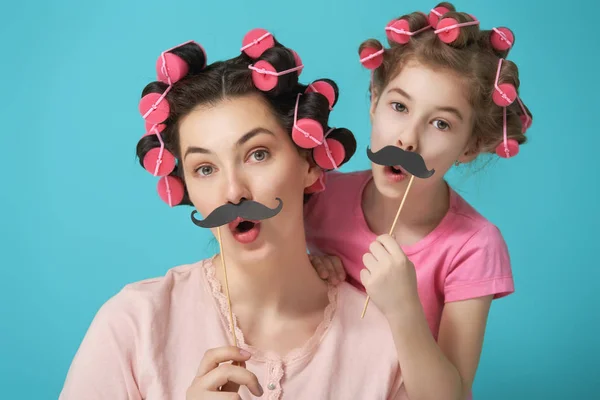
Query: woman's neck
{"points": [[424, 208], [285, 282]]}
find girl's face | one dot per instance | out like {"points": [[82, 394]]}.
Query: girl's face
{"points": [[424, 111], [237, 150]]}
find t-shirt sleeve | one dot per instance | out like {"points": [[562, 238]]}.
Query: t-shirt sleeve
{"points": [[480, 268], [103, 367]]}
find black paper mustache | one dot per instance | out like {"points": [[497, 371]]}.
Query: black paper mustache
{"points": [[247, 209], [392, 156]]}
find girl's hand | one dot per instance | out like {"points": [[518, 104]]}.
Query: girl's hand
{"points": [[389, 277], [329, 268], [218, 379]]}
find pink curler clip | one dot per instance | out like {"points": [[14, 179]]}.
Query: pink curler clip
{"points": [[153, 106], [399, 31], [504, 93], [371, 58], [265, 76], [435, 14], [256, 42], [159, 161], [502, 38], [448, 29], [330, 154], [170, 68], [326, 89], [509, 147], [171, 190], [306, 133], [318, 186]]}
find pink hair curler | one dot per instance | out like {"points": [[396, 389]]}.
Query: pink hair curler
{"points": [[153, 106], [330, 154], [151, 127], [504, 93], [371, 58], [326, 89], [265, 76], [399, 31], [307, 133], [256, 42], [502, 38], [159, 161], [171, 190], [436, 14], [448, 29], [318, 186], [509, 147], [170, 68]]}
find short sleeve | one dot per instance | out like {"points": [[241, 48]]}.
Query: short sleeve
{"points": [[480, 268], [103, 367]]}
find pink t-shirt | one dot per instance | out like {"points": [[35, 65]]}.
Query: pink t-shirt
{"points": [[147, 342], [464, 257]]}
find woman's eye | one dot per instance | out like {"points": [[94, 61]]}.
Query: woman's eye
{"points": [[205, 170], [441, 125], [398, 107], [260, 155]]}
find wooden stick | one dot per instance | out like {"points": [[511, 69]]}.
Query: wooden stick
{"points": [[392, 231], [226, 286]]}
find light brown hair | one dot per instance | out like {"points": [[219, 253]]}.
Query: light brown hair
{"points": [[472, 58]]}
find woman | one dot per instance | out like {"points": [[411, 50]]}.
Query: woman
{"points": [[228, 127]]}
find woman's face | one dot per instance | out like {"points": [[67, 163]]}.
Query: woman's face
{"points": [[237, 150]]}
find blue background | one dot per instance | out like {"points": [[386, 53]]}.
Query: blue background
{"points": [[80, 218]]}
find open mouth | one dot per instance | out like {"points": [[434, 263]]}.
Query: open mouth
{"points": [[244, 226], [395, 174], [244, 231]]}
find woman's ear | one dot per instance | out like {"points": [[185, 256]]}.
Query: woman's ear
{"points": [[314, 171]]}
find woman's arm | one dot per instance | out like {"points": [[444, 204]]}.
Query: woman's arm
{"points": [[446, 369]]}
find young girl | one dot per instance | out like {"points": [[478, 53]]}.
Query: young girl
{"points": [[441, 90], [230, 134]]}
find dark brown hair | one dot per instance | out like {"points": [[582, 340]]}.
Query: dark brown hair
{"points": [[232, 78], [472, 58]]}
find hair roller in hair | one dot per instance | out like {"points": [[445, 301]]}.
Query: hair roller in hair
{"points": [[502, 38], [307, 133], [154, 108], [265, 76], [398, 31], [256, 42], [326, 88], [371, 57], [171, 190], [448, 29], [330, 154], [436, 14]]}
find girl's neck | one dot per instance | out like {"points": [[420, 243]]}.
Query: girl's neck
{"points": [[424, 208]]}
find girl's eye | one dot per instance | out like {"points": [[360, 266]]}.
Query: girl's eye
{"points": [[260, 155], [205, 170], [441, 125], [398, 107]]}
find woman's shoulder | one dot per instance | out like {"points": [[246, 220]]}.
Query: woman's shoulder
{"points": [[148, 297], [373, 327]]}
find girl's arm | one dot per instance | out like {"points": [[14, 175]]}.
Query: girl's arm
{"points": [[431, 371], [446, 369]]}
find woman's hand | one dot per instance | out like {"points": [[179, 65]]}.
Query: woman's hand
{"points": [[329, 268], [218, 379], [390, 278]]}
